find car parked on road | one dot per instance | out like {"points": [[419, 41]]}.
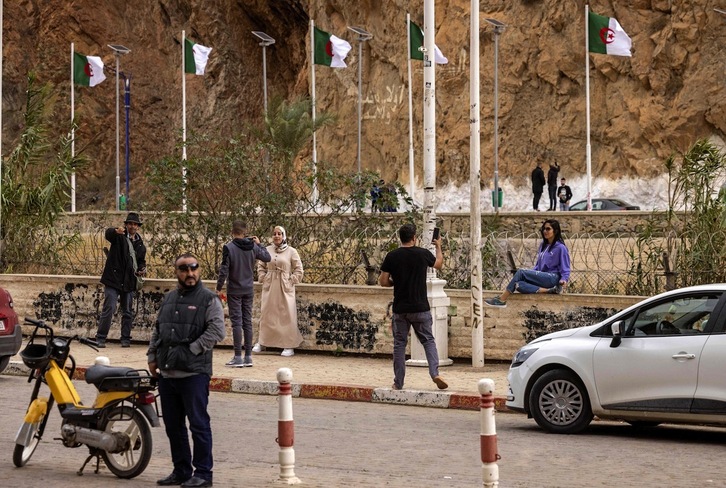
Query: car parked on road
{"points": [[610, 204], [11, 334], [660, 360]]}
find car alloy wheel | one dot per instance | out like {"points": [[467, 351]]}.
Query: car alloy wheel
{"points": [[559, 402]]}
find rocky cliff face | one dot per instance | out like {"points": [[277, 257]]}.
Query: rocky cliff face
{"points": [[643, 108]]}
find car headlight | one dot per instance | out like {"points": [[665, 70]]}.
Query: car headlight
{"points": [[522, 355]]}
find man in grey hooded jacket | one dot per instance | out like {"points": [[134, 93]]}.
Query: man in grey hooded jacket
{"points": [[238, 261]]}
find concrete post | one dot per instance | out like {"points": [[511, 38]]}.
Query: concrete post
{"points": [[489, 455], [286, 429]]}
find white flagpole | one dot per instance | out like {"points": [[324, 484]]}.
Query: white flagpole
{"points": [[73, 132], [587, 105], [411, 166], [1, 114], [312, 98], [477, 323], [184, 124]]}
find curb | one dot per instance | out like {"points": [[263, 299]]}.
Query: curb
{"points": [[348, 393]]}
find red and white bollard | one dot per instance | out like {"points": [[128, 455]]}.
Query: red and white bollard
{"points": [[489, 455], [286, 428]]}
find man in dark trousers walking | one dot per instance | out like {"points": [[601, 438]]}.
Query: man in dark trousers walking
{"points": [[119, 277], [405, 270], [538, 183], [552, 185]]}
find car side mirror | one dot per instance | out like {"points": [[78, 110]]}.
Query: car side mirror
{"points": [[618, 329]]}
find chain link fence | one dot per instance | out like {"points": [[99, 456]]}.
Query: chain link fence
{"points": [[348, 250]]}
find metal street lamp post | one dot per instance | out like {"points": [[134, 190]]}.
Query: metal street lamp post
{"points": [[363, 36], [265, 41], [498, 30], [118, 50]]}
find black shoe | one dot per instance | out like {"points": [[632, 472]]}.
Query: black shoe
{"points": [[194, 481], [172, 480], [101, 343], [125, 343]]}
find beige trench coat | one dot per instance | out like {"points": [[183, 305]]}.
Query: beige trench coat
{"points": [[278, 310]]}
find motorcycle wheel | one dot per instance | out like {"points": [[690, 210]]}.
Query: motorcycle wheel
{"points": [[22, 454], [133, 461]]}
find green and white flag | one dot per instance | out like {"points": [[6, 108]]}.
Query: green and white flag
{"points": [[606, 36], [330, 50], [417, 40], [87, 70], [195, 57]]}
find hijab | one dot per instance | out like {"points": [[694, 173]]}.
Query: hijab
{"points": [[283, 244]]}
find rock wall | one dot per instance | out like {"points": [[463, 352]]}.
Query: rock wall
{"points": [[668, 94]]}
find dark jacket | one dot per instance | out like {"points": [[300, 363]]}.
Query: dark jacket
{"points": [[118, 272], [564, 193], [552, 175], [189, 324], [238, 264], [538, 180]]}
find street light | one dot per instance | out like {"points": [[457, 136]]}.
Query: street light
{"points": [[265, 41], [498, 30], [363, 36], [118, 50]]}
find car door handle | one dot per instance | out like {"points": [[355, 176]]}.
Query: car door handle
{"points": [[684, 355]]}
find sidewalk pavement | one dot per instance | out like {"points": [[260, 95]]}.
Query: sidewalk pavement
{"points": [[350, 377]]}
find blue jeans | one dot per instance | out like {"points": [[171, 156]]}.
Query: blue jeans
{"points": [[530, 281], [240, 314], [181, 399], [111, 296], [421, 323]]}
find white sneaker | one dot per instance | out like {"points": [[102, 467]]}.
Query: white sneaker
{"points": [[287, 352], [257, 348]]}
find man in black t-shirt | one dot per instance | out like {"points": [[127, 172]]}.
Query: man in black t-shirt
{"points": [[405, 270]]}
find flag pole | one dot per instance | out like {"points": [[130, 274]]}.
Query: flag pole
{"points": [[73, 132], [587, 106], [411, 179], [184, 124], [312, 98]]}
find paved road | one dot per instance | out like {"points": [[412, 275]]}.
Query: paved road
{"points": [[379, 445]]}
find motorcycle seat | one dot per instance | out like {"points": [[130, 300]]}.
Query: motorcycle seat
{"points": [[126, 378]]}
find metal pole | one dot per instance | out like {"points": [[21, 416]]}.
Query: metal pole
{"points": [[477, 329], [127, 105], [497, 31], [118, 176], [360, 95], [264, 74], [73, 132]]}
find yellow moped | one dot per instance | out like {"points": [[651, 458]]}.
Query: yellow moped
{"points": [[116, 427]]}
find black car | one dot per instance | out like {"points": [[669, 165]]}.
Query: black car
{"points": [[612, 204], [11, 334]]}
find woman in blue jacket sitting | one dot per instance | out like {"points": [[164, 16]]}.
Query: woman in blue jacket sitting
{"points": [[550, 273]]}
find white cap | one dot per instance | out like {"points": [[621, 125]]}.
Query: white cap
{"points": [[102, 360]]}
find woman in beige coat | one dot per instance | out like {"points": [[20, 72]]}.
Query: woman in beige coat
{"points": [[278, 310]]}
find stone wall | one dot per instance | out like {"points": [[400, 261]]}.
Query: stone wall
{"points": [[335, 318]]}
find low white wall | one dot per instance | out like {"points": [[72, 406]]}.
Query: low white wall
{"points": [[351, 319]]}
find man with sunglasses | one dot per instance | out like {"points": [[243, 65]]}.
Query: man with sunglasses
{"points": [[190, 323], [119, 277]]}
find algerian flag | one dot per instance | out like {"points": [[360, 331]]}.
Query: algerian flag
{"points": [[195, 57], [330, 50], [417, 40], [87, 70], [607, 37]]}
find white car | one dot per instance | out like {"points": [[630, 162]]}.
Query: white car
{"points": [[661, 360]]}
